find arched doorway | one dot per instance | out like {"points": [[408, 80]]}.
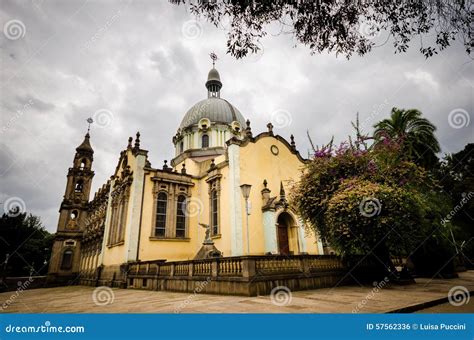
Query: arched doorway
{"points": [[284, 222]]}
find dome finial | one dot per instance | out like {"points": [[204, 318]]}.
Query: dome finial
{"points": [[214, 58], [213, 83]]}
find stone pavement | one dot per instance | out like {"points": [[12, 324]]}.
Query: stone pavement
{"points": [[79, 299]]}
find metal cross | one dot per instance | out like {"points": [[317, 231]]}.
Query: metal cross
{"points": [[214, 58], [90, 121]]}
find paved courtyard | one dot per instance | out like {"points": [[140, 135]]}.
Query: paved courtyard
{"points": [[80, 299]]}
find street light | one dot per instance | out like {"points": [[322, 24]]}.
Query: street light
{"points": [[246, 193]]}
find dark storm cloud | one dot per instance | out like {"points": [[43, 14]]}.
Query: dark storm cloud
{"points": [[140, 65]]}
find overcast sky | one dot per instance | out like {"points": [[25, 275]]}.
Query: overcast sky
{"points": [[139, 66]]}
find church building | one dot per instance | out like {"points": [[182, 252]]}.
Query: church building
{"points": [[224, 194]]}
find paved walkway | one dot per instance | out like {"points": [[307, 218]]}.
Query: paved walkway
{"points": [[80, 299]]}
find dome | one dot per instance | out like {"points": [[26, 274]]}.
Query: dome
{"points": [[213, 75], [217, 110]]}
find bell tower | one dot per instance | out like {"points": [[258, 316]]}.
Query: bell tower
{"points": [[73, 213]]}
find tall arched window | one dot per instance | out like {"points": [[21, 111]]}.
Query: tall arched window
{"points": [[214, 213], [181, 147], [181, 217], [66, 262], [205, 141], [79, 186], [161, 204]]}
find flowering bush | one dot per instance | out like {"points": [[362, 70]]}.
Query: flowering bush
{"points": [[364, 199]]}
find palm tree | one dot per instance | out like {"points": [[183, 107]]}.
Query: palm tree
{"points": [[415, 133]]}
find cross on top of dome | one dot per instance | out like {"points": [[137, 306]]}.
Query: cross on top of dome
{"points": [[214, 58], [213, 83]]}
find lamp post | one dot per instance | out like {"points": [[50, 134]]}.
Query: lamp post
{"points": [[246, 193]]}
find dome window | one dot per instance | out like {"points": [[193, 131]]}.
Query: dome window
{"points": [[236, 126], [205, 141], [204, 124]]}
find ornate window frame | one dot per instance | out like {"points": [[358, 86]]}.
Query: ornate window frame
{"points": [[119, 215], [173, 190]]}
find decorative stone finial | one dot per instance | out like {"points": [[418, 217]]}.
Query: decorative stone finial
{"points": [[292, 139], [270, 128], [248, 129], [129, 146], [165, 166], [282, 192], [183, 169], [265, 193], [137, 141], [213, 165]]}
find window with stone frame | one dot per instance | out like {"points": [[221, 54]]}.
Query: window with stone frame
{"points": [[161, 209], [181, 216], [120, 197], [170, 202], [66, 261], [214, 204]]}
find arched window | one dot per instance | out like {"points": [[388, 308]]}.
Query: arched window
{"points": [[214, 213], [205, 141], [181, 217], [181, 147], [161, 204], [74, 214], [79, 186], [83, 164], [66, 262]]}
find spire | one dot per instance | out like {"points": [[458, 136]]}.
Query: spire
{"points": [[85, 146], [213, 83]]}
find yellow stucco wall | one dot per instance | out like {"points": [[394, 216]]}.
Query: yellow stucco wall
{"points": [[284, 167], [257, 163]]}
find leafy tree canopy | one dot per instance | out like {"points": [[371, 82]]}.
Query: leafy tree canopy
{"points": [[367, 199], [415, 134], [26, 242], [343, 27]]}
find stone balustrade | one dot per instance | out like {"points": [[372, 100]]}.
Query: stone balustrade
{"points": [[242, 275]]}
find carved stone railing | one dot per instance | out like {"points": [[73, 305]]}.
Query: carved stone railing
{"points": [[239, 275], [246, 267]]}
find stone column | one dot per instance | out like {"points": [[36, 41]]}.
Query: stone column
{"points": [[270, 232]]}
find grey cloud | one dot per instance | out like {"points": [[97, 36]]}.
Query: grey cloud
{"points": [[133, 60]]}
